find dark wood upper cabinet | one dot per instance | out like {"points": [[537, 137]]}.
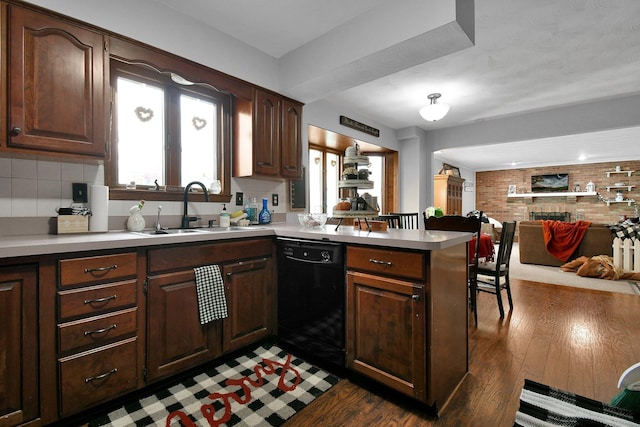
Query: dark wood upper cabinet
{"points": [[3, 73], [56, 90], [291, 137], [266, 148], [272, 148]]}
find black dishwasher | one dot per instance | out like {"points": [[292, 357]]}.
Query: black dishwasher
{"points": [[311, 300]]}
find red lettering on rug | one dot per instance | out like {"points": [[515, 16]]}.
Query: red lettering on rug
{"points": [[269, 368]]}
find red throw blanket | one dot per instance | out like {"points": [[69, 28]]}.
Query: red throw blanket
{"points": [[562, 238]]}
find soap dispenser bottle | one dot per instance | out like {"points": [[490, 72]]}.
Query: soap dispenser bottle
{"points": [[225, 219], [265, 215], [254, 211]]}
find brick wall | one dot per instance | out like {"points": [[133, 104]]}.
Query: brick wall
{"points": [[492, 187]]}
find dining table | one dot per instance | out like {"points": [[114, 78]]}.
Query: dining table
{"points": [[486, 251]]}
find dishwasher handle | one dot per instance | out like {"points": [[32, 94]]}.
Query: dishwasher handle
{"points": [[309, 261]]}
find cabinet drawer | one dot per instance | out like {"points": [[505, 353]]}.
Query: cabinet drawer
{"points": [[387, 262], [96, 299], [97, 375], [96, 331], [78, 271]]}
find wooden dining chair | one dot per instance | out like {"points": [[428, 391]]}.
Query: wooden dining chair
{"points": [[493, 277], [393, 221], [407, 220], [470, 224]]}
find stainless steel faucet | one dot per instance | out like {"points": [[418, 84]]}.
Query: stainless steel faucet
{"points": [[186, 219], [158, 228]]}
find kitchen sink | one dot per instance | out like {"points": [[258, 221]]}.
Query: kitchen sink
{"points": [[168, 231], [194, 230]]}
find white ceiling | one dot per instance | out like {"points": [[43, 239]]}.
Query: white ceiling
{"points": [[528, 56]]}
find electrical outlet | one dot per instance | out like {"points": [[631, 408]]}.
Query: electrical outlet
{"points": [[79, 192], [274, 199], [239, 199]]}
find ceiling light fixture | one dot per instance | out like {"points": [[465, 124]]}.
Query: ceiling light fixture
{"points": [[434, 111]]}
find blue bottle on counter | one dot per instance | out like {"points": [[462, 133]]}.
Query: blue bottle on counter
{"points": [[265, 215]]}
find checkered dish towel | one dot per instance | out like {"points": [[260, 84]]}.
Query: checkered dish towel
{"points": [[212, 303]]}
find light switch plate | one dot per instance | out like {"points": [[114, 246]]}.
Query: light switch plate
{"points": [[239, 198], [274, 199]]}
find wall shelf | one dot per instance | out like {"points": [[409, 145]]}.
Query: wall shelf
{"points": [[558, 194], [627, 201], [628, 173], [619, 187]]}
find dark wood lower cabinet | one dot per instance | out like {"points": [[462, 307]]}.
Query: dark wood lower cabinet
{"points": [[97, 375], [19, 400], [248, 288], [407, 319], [386, 331], [176, 340]]}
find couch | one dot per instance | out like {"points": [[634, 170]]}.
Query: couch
{"points": [[598, 240]]}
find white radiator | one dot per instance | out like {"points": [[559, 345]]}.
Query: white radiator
{"points": [[626, 254]]}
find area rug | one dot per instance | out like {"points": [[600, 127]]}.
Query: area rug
{"points": [[555, 276], [264, 387], [544, 406]]}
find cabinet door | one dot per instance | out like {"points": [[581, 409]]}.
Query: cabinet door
{"points": [[18, 341], [248, 286], [176, 340], [291, 140], [56, 85], [3, 71], [266, 148], [386, 331]]}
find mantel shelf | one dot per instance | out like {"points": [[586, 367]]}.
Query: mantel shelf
{"points": [[558, 194]]}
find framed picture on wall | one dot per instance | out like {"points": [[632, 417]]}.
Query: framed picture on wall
{"points": [[512, 189]]}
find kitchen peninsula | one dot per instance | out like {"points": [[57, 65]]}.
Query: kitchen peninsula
{"points": [[406, 299]]}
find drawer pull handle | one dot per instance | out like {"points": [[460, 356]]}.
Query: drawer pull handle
{"points": [[105, 299], [100, 331], [99, 269], [375, 261], [101, 376]]}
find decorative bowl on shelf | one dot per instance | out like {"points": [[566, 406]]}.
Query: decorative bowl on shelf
{"points": [[311, 220]]}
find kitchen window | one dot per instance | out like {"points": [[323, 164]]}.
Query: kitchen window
{"points": [[324, 173], [165, 134]]}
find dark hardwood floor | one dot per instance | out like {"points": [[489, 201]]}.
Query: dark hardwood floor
{"points": [[574, 339]]}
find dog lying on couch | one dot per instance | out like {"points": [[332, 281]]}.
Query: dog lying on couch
{"points": [[599, 266]]}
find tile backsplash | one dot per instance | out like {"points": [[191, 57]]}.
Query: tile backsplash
{"points": [[36, 188], [31, 191]]}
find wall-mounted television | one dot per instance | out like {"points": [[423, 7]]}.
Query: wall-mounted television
{"points": [[550, 183]]}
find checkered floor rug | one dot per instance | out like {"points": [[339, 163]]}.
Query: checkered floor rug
{"points": [[264, 387]]}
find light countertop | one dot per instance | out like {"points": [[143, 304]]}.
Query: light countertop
{"points": [[28, 245]]}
